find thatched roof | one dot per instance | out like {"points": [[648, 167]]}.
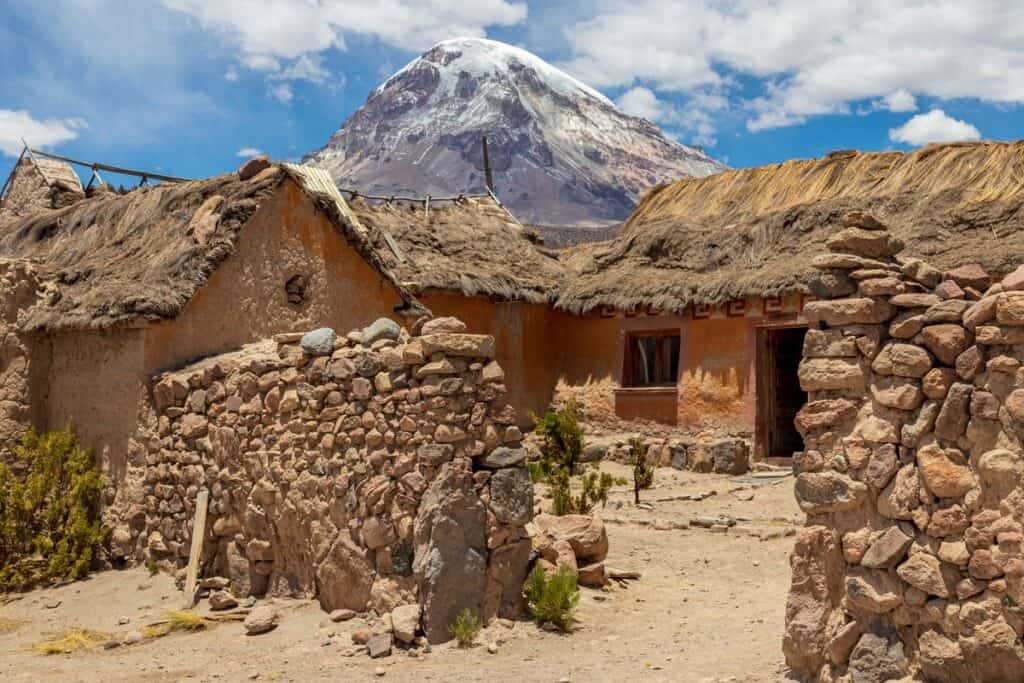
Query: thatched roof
{"points": [[754, 231], [472, 246], [121, 259]]}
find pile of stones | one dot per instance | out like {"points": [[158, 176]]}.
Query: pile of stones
{"points": [[372, 471], [910, 563]]}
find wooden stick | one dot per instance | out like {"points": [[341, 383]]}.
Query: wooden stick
{"points": [[198, 533], [488, 178]]}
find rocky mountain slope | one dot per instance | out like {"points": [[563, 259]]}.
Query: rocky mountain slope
{"points": [[561, 152]]}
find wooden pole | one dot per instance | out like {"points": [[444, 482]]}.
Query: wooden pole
{"points": [[198, 533], [487, 167]]}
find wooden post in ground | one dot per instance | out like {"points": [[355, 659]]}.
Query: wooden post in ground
{"points": [[487, 167], [196, 551]]}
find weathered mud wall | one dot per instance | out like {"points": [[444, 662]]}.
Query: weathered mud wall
{"points": [[369, 471], [19, 289], [910, 563], [97, 380]]}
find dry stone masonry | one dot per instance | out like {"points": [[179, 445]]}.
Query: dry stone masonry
{"points": [[372, 471], [910, 563]]}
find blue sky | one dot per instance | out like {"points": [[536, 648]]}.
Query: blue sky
{"points": [[187, 87]]}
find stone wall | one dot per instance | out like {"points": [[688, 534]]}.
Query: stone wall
{"points": [[370, 471], [910, 563]]}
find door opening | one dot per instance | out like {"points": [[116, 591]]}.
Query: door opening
{"points": [[779, 396]]}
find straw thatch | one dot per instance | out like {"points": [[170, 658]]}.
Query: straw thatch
{"points": [[753, 232], [126, 259], [472, 247]]}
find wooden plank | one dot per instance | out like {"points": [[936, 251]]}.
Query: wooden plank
{"points": [[198, 533]]}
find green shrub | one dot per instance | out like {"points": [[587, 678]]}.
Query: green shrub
{"points": [[643, 472], [49, 511], [466, 628], [553, 599], [561, 452], [152, 567]]}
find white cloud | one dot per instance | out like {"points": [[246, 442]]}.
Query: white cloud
{"points": [[231, 75], [900, 101], [642, 102], [935, 126], [249, 152], [15, 125], [693, 118], [807, 59], [283, 38], [282, 92]]}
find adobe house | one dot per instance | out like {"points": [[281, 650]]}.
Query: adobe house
{"points": [[703, 291], [691, 318]]}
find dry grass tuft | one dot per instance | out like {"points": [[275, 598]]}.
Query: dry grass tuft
{"points": [[176, 620], [8, 625], [72, 640]]}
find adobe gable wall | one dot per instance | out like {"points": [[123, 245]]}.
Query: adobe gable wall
{"points": [[19, 368], [98, 380], [911, 559], [366, 474]]}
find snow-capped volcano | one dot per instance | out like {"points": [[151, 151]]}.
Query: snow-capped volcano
{"points": [[561, 152]]}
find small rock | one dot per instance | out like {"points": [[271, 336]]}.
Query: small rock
{"points": [[123, 620], [260, 620], [341, 615], [382, 328], [319, 342], [492, 648], [132, 637], [222, 600], [253, 166], [379, 646], [379, 671]]}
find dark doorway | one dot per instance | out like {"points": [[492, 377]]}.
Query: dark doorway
{"points": [[779, 396]]}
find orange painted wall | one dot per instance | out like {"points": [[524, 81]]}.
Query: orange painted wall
{"points": [[716, 373]]}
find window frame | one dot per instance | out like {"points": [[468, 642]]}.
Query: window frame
{"points": [[628, 380]]}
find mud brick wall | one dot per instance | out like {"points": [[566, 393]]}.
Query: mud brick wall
{"points": [[19, 289], [370, 471], [910, 563]]}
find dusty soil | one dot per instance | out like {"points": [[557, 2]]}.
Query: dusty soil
{"points": [[709, 607]]}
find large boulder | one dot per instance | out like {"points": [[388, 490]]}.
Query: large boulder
{"points": [[730, 456], [512, 496], [586, 535], [812, 608], [345, 576], [507, 567], [450, 562]]}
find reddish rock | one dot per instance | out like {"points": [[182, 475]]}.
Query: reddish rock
{"points": [[945, 471], [971, 275], [937, 381], [253, 166], [1010, 308], [947, 522], [981, 312], [946, 341], [1015, 280], [949, 290], [903, 360], [817, 374], [970, 363], [868, 243], [838, 312]]}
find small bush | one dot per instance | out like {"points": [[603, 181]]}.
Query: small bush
{"points": [[49, 516], [643, 472], [466, 628], [152, 567], [561, 452], [176, 620], [553, 599]]}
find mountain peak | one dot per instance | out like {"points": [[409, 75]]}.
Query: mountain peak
{"points": [[561, 152], [483, 57]]}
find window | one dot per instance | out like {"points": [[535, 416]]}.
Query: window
{"points": [[652, 359]]}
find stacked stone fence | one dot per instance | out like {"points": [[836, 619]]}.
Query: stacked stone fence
{"points": [[370, 471], [910, 564]]}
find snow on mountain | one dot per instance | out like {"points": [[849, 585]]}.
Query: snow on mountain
{"points": [[561, 152]]}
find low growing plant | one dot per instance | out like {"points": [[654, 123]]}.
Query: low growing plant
{"points": [[552, 599], [465, 628], [561, 453], [643, 471], [49, 511]]}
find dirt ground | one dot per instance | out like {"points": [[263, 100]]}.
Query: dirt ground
{"points": [[709, 607]]}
